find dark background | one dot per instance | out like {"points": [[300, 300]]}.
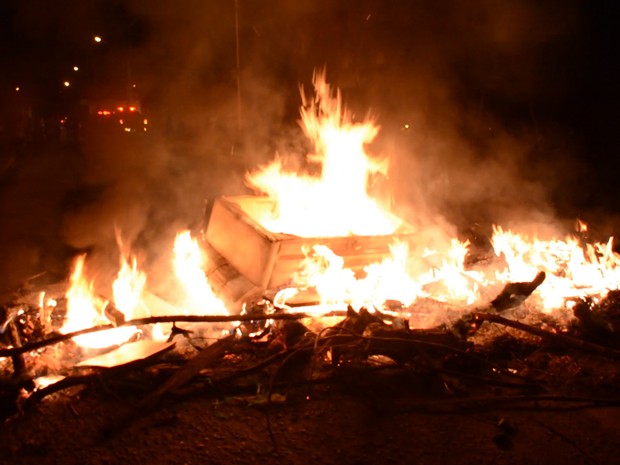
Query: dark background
{"points": [[493, 112]]}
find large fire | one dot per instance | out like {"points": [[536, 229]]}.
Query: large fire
{"points": [[331, 199]]}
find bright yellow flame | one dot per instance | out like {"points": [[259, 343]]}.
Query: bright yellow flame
{"points": [[85, 310], [334, 202], [441, 277], [574, 270], [188, 263], [127, 289]]}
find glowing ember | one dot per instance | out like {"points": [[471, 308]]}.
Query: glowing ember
{"points": [[45, 309], [43, 381], [189, 269]]}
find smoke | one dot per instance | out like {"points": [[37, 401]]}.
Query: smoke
{"points": [[465, 91], [470, 95]]}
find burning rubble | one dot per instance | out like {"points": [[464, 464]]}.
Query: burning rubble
{"points": [[311, 245]]}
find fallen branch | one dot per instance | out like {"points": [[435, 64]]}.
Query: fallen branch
{"points": [[562, 339], [148, 321]]}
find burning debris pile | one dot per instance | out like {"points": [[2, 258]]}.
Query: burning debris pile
{"points": [[316, 276]]}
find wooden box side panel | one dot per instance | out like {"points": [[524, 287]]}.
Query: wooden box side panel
{"points": [[233, 236]]}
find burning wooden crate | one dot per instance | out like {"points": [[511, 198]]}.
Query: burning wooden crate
{"points": [[270, 259]]}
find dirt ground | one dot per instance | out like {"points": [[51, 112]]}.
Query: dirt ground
{"points": [[360, 422]]}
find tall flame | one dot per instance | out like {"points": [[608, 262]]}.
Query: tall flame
{"points": [[128, 287], [334, 202]]}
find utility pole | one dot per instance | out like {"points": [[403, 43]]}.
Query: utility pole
{"points": [[238, 73]]}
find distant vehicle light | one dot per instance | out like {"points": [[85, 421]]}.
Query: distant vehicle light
{"points": [[97, 39], [17, 89], [75, 68], [121, 121], [66, 83], [132, 108], [146, 121], [120, 109], [127, 129]]}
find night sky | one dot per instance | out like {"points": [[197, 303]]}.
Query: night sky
{"points": [[470, 77]]}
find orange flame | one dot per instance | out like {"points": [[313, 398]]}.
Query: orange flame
{"points": [[574, 270], [336, 202], [188, 264], [85, 310]]}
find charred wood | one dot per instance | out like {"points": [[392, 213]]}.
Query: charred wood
{"points": [[514, 294]]}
